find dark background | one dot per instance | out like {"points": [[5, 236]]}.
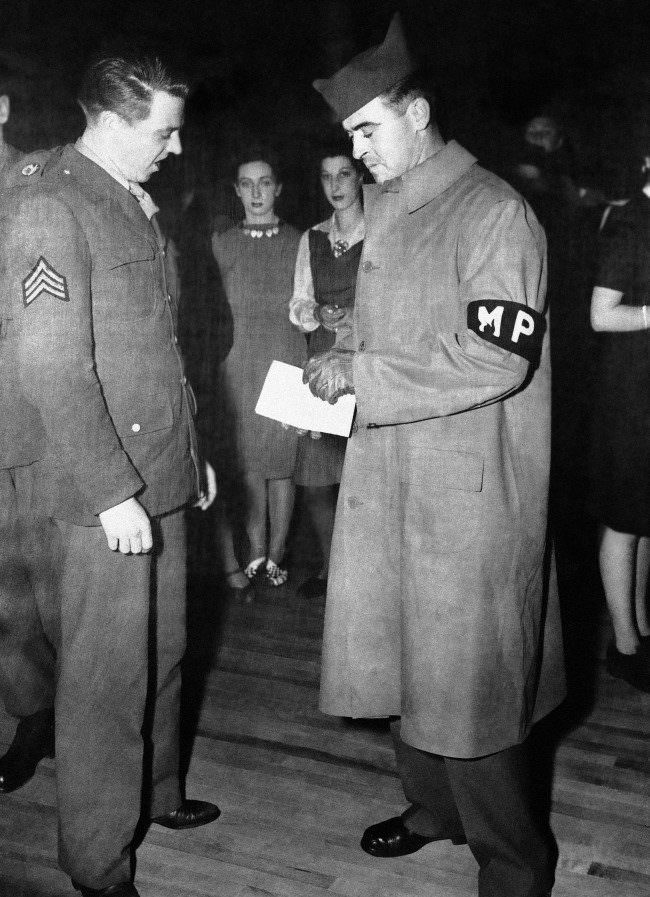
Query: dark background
{"points": [[495, 62]]}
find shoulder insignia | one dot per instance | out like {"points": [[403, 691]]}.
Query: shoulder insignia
{"points": [[510, 325], [30, 169], [44, 279]]}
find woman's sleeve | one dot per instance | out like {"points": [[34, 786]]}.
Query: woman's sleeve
{"points": [[303, 303]]}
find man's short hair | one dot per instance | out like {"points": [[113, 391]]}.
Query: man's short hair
{"points": [[417, 84], [126, 86]]}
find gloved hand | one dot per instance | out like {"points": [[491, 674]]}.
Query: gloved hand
{"points": [[330, 374]]}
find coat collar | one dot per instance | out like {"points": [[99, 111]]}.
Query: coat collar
{"points": [[105, 187], [431, 177]]}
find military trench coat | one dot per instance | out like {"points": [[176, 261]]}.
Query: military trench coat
{"points": [[442, 605]]}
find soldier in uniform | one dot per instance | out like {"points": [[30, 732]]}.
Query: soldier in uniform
{"points": [[92, 311], [26, 574], [438, 607]]}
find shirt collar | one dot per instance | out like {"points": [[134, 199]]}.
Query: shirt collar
{"points": [[431, 177], [357, 235]]}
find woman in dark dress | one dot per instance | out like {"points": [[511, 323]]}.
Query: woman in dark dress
{"points": [[257, 259], [321, 306], [621, 445]]}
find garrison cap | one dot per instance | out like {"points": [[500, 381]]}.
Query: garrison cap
{"points": [[369, 74]]}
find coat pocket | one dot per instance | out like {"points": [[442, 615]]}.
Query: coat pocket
{"points": [[443, 498]]}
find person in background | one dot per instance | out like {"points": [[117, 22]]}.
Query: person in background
{"points": [[257, 258], [92, 300], [8, 153], [441, 604], [620, 474], [321, 306]]}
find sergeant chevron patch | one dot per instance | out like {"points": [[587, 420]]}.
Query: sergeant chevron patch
{"points": [[44, 279]]}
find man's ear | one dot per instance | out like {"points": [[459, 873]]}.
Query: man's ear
{"points": [[5, 108], [419, 112], [109, 119]]}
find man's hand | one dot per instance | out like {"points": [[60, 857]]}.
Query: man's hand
{"points": [[127, 527], [208, 497], [330, 374]]}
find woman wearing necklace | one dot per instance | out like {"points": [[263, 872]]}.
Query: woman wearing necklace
{"points": [[256, 259], [321, 306]]}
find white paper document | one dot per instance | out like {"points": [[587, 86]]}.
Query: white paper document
{"points": [[287, 399]]}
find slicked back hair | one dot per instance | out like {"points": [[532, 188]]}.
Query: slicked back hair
{"points": [[126, 86]]}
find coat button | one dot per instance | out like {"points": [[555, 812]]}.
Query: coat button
{"points": [[368, 266], [169, 297], [362, 345], [135, 428]]}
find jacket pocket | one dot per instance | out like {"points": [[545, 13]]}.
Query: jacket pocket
{"points": [[125, 288], [148, 417]]}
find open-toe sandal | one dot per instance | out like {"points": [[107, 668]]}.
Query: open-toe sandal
{"points": [[275, 574], [253, 568]]}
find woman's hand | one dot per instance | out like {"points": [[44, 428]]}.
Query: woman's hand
{"points": [[333, 317]]}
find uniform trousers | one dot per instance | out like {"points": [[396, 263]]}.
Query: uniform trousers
{"points": [[118, 694], [27, 598], [116, 624], [490, 800]]}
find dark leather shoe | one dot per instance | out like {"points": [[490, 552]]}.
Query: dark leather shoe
{"points": [[190, 814], [391, 838], [123, 889], [632, 668], [34, 739]]}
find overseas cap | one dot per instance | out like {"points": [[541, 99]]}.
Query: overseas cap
{"points": [[369, 74]]}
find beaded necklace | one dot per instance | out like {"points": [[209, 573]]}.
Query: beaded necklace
{"points": [[261, 230]]}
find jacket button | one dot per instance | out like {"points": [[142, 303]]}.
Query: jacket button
{"points": [[169, 297], [362, 345], [368, 266], [135, 428]]}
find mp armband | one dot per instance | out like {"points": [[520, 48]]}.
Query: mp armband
{"points": [[509, 325]]}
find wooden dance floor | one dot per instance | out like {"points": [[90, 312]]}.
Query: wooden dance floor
{"points": [[297, 788]]}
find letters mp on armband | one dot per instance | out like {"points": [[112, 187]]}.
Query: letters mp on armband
{"points": [[510, 325], [43, 278]]}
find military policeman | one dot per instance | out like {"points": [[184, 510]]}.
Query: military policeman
{"points": [[438, 610], [94, 316]]}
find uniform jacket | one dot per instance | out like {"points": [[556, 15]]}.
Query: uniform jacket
{"points": [[94, 314], [439, 607], [21, 431]]}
